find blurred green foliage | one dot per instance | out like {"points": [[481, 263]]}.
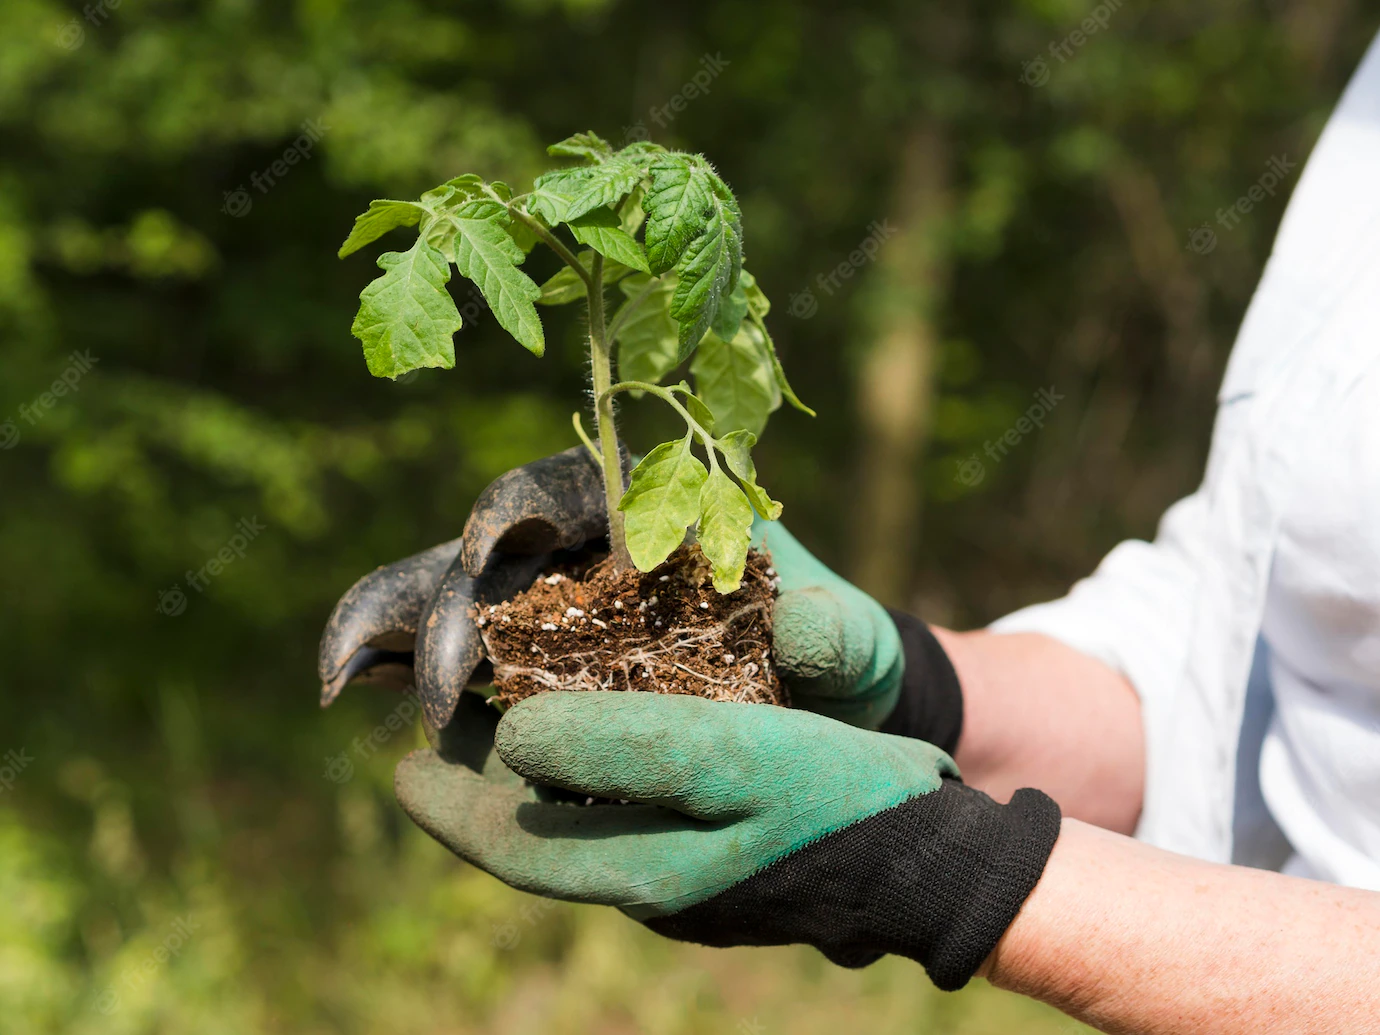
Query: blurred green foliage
{"points": [[180, 849]]}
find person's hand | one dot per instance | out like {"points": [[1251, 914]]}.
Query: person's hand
{"points": [[838, 651], [747, 825]]}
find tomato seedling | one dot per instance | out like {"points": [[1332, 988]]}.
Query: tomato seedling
{"points": [[664, 228]]}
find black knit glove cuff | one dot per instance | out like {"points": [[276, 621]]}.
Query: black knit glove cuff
{"points": [[938, 878], [930, 707]]}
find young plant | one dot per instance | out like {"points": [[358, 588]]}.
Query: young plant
{"points": [[666, 230]]}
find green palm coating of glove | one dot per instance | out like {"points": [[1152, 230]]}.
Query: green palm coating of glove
{"points": [[720, 791], [835, 647]]}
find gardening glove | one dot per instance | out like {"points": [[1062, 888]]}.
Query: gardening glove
{"points": [[409, 622], [844, 655], [747, 825]]}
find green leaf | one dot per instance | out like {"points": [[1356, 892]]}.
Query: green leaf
{"points": [[732, 310], [632, 213], [605, 185], [566, 286], [695, 406], [724, 529], [677, 203], [758, 305], [662, 501], [477, 236], [523, 235], [407, 318], [648, 339], [736, 447], [552, 193], [602, 230], [381, 217], [695, 227], [779, 372], [588, 145], [735, 379], [471, 185]]}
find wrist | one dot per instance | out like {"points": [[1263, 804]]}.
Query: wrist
{"points": [[930, 704]]}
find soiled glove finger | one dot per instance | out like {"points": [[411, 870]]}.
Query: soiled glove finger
{"points": [[371, 634], [752, 825], [553, 503], [835, 647], [409, 622]]}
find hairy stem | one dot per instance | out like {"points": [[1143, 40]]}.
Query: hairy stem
{"points": [[601, 364], [670, 399], [556, 245]]}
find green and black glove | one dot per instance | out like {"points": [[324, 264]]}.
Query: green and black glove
{"points": [[748, 825]]}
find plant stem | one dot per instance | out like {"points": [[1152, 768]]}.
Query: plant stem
{"points": [[601, 363], [669, 397], [556, 245]]}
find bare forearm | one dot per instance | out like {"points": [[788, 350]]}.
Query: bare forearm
{"points": [[1037, 713], [1139, 941]]}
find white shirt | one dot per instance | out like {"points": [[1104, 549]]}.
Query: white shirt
{"points": [[1250, 627]]}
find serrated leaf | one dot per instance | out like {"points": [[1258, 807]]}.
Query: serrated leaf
{"points": [[737, 449], [471, 185], [632, 213], [382, 216], [602, 230], [588, 145], [758, 305], [407, 318], [648, 339], [643, 147], [709, 266], [662, 501], [724, 529], [677, 202], [476, 234], [732, 310], [606, 185], [779, 372], [566, 286], [735, 380], [552, 192], [523, 236], [695, 406]]}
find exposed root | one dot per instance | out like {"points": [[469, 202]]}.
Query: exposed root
{"points": [[668, 633]]}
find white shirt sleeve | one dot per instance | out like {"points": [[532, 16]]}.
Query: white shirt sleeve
{"points": [[1135, 612]]}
